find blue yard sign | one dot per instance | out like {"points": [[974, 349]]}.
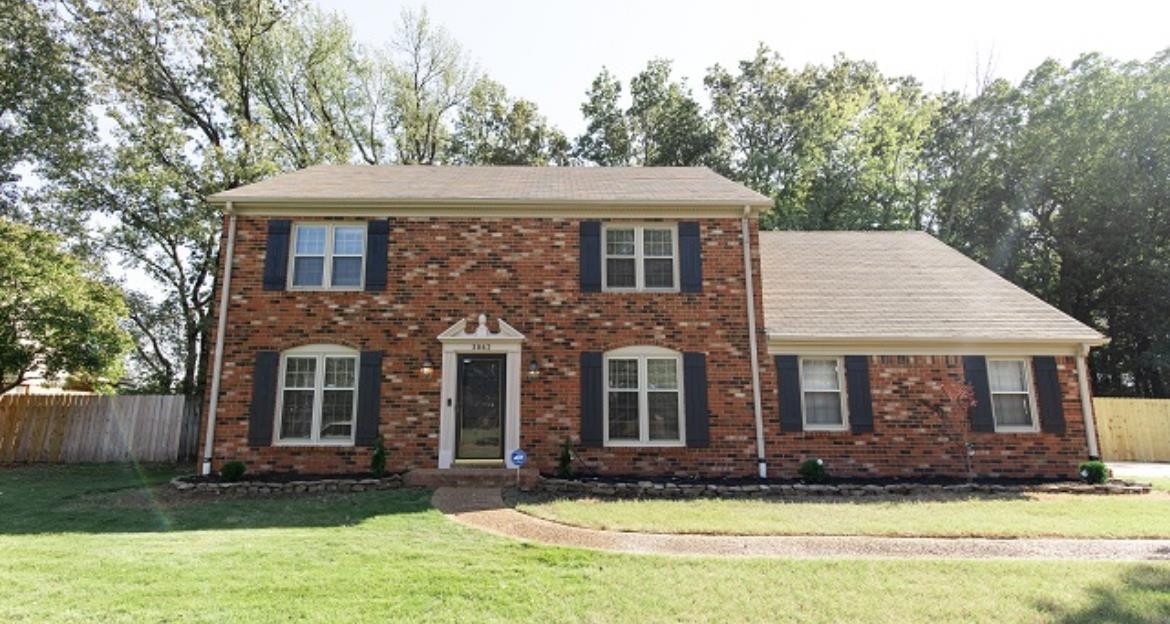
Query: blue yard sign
{"points": [[519, 457]]}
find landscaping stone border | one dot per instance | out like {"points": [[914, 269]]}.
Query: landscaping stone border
{"points": [[653, 489], [339, 484]]}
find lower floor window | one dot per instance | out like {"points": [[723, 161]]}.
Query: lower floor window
{"points": [[1011, 400], [643, 396], [823, 401], [318, 396]]}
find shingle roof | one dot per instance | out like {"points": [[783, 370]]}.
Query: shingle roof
{"points": [[527, 185], [897, 285]]}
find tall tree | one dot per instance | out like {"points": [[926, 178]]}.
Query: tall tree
{"points": [[668, 126], [55, 315], [606, 140], [493, 129]]}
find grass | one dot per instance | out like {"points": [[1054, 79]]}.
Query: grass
{"points": [[1042, 515], [106, 543]]}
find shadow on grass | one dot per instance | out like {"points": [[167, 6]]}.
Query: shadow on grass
{"points": [[136, 498], [1142, 598]]}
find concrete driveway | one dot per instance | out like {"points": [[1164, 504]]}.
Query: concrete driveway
{"points": [[1140, 470]]}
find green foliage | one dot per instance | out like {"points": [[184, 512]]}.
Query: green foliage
{"points": [[55, 317], [606, 141], [378, 458], [812, 470], [233, 471], [1094, 471], [493, 129], [565, 460]]}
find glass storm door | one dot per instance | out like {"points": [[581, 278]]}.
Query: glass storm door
{"points": [[479, 405]]}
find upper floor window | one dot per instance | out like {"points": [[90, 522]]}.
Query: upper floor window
{"points": [[317, 401], [643, 257], [1011, 397], [328, 256], [821, 380], [644, 397]]}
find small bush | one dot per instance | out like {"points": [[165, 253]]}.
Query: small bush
{"points": [[1094, 471], [378, 458], [813, 470], [233, 471], [565, 460]]}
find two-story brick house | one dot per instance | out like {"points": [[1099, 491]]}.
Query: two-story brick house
{"points": [[464, 312]]}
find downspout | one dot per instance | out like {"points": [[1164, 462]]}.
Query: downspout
{"points": [[221, 326], [761, 458], [1087, 401]]}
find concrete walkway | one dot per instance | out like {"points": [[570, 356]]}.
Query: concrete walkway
{"points": [[483, 508], [1140, 470]]}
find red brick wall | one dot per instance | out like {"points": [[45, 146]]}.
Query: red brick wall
{"points": [[525, 271], [911, 439]]}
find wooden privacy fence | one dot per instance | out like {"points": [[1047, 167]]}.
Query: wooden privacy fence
{"points": [[88, 428], [1133, 429]]}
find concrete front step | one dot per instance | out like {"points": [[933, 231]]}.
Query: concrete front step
{"points": [[481, 477]]}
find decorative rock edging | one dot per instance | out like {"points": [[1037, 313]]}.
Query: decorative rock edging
{"points": [[339, 484], [652, 489]]}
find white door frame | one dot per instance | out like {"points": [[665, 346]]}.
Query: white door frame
{"points": [[457, 340]]}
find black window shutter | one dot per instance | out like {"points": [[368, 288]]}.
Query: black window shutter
{"points": [[695, 399], [592, 396], [263, 410], [857, 387], [590, 256], [690, 257], [788, 383], [276, 254], [975, 372], [369, 405], [377, 243], [1048, 394]]}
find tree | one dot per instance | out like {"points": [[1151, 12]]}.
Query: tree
{"points": [[43, 99], [493, 129], [606, 140], [55, 317]]}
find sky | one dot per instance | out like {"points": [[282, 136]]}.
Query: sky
{"points": [[549, 51]]}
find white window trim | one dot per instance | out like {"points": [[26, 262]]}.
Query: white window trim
{"points": [[1031, 392], [642, 354], [639, 256], [321, 352], [806, 426], [327, 270]]}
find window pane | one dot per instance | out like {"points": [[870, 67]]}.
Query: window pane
{"points": [[623, 373], [1011, 410], [348, 240], [337, 414], [1007, 376], [819, 375], [619, 273], [296, 414], [619, 242], [658, 242], [623, 415], [311, 240], [662, 374], [659, 273], [299, 372], [347, 271], [663, 415], [340, 372], [308, 271], [822, 408]]}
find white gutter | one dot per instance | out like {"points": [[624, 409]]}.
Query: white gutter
{"points": [[221, 327], [1087, 401], [761, 458]]}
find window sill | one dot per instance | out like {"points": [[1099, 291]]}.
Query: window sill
{"points": [[1029, 429], [648, 444], [323, 289], [645, 291], [308, 443], [828, 428]]}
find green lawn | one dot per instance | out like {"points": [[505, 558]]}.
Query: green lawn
{"points": [[1045, 515], [97, 543]]}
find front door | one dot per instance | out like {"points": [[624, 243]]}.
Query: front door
{"points": [[479, 407]]}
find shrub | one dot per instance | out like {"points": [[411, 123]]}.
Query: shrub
{"points": [[1094, 471], [378, 458], [565, 460], [233, 471], [813, 470]]}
